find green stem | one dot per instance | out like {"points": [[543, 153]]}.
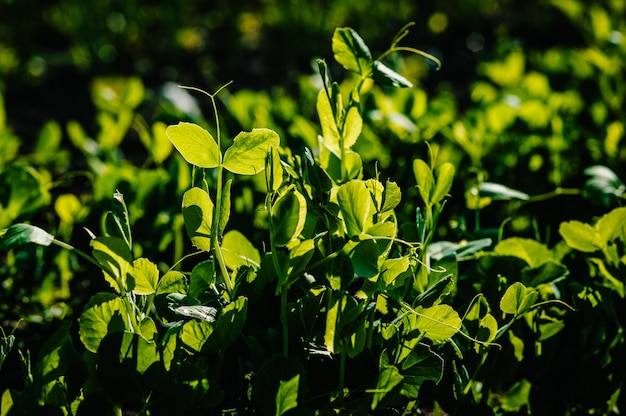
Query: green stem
{"points": [[77, 251], [342, 374]]}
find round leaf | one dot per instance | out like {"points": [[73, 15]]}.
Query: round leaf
{"points": [[195, 144], [247, 154]]}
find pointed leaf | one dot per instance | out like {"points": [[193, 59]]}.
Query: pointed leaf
{"points": [[198, 214], [225, 207], [195, 144], [425, 179], [196, 333], [287, 396], [328, 122], [115, 258], [352, 125], [202, 278], [288, 217], [20, 234], [247, 154], [172, 282], [445, 175], [497, 191], [350, 51], [384, 75], [391, 196], [388, 379], [355, 204]]}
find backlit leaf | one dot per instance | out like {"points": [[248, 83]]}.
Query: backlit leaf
{"points": [[20, 234], [351, 51], [97, 319], [445, 175], [146, 276], [352, 126], [288, 217], [424, 178], [579, 236], [247, 154], [518, 299], [239, 251], [384, 75], [198, 214], [356, 205], [388, 379], [195, 144], [287, 396], [195, 334], [438, 323]]}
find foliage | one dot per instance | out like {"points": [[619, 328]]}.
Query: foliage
{"points": [[333, 268]]}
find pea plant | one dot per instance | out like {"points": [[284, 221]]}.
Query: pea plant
{"points": [[344, 307]]}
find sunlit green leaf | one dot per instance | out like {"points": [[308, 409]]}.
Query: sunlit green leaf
{"points": [[518, 299], [196, 333], [239, 251], [384, 75], [352, 125], [20, 234], [424, 178], [172, 282], [350, 51], [195, 144], [445, 175], [104, 314], [229, 324], [288, 217], [328, 120], [388, 379], [579, 236], [247, 154], [115, 258], [438, 323], [146, 276], [355, 204], [391, 196], [287, 396], [531, 251], [497, 191], [198, 214]]}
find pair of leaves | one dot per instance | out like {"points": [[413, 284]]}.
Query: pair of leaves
{"points": [[433, 191], [354, 55], [246, 156], [588, 239]]}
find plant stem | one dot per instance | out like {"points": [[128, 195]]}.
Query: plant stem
{"points": [[77, 251]]}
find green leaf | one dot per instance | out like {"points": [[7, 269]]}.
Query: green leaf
{"points": [[202, 277], [225, 207], [425, 180], [195, 334], [611, 226], [438, 323], [288, 217], [69, 208], [195, 144], [20, 234], [247, 154], [356, 205], [518, 299], [115, 258], [384, 75], [393, 268], [434, 294], [420, 365], [352, 125], [350, 51], [497, 191], [328, 120], [392, 196], [229, 325], [146, 276], [388, 379], [287, 396], [117, 223], [579, 236], [142, 351], [299, 258], [274, 170], [445, 175], [531, 251], [102, 315], [198, 214], [172, 282], [239, 251], [363, 255]]}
